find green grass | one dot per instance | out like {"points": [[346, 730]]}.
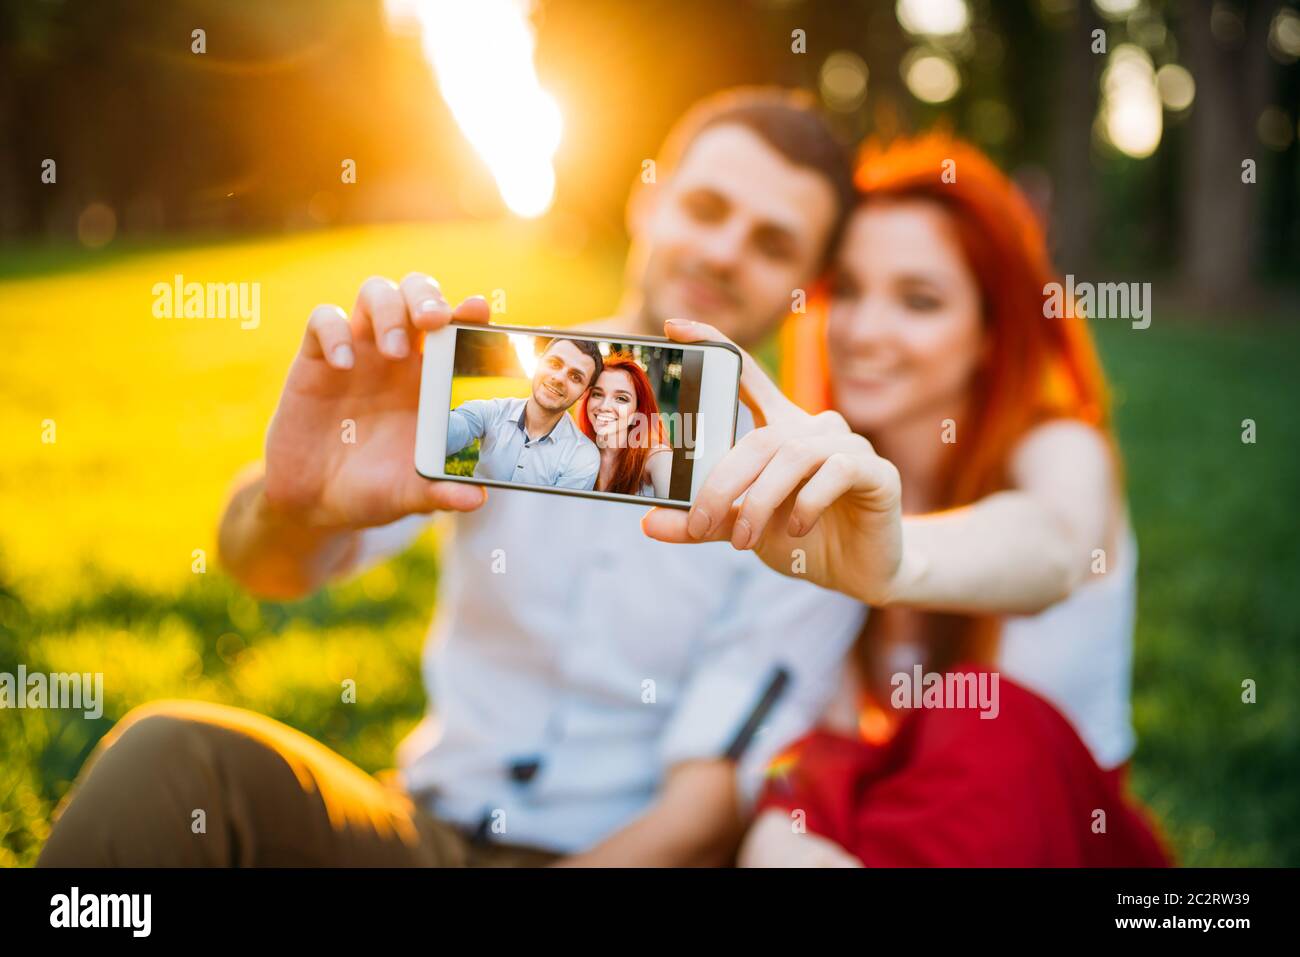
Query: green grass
{"points": [[154, 417], [1216, 525]]}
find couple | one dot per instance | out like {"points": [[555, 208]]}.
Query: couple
{"points": [[555, 739], [617, 445]]}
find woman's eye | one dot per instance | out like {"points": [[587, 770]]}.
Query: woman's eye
{"points": [[920, 302]]}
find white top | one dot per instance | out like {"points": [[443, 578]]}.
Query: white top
{"points": [[1078, 654], [567, 638]]}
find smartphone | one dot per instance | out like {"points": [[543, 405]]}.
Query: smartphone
{"points": [[626, 418]]}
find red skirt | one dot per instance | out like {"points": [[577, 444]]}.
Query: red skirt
{"points": [[952, 789]]}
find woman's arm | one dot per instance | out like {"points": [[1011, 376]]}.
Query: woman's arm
{"points": [[816, 501], [659, 466], [772, 842], [1022, 550]]}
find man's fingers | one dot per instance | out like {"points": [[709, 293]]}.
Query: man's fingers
{"points": [[446, 496], [329, 337], [757, 390], [381, 311], [425, 305], [473, 309]]}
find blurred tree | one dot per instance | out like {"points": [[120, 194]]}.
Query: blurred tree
{"points": [[1225, 49]]}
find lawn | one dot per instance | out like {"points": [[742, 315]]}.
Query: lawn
{"points": [[151, 418]]}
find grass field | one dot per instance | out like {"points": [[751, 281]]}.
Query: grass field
{"points": [[152, 417]]}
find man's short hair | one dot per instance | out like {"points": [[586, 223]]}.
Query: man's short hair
{"points": [[587, 348], [790, 122]]}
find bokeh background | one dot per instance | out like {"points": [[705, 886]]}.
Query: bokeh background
{"points": [[493, 144]]}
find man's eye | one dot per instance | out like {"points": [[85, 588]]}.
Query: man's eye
{"points": [[705, 208], [775, 249]]}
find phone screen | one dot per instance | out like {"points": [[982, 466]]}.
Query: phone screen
{"points": [[614, 417]]}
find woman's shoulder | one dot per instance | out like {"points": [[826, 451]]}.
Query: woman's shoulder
{"points": [[1063, 435], [1063, 446]]}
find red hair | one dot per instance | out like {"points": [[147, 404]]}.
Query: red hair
{"points": [[631, 464]]}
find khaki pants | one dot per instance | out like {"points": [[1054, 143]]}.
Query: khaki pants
{"points": [[269, 795]]}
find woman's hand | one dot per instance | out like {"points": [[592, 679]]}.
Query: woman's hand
{"points": [[816, 501]]}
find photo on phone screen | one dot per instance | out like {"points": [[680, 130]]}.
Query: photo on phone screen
{"points": [[582, 396]]}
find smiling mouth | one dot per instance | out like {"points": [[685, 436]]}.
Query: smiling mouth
{"points": [[703, 291], [559, 394]]}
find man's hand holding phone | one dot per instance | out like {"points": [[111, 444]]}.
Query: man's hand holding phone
{"points": [[338, 451]]}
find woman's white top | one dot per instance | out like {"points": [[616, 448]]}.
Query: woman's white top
{"points": [[1078, 654]]}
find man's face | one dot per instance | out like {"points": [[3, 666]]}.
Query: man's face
{"points": [[563, 374], [730, 235]]}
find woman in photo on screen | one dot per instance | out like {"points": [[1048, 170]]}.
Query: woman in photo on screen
{"points": [[621, 415]]}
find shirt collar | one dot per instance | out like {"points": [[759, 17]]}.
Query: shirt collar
{"points": [[519, 423]]}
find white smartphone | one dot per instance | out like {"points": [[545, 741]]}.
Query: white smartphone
{"points": [[620, 417]]}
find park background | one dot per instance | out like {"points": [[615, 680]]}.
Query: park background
{"points": [[494, 146]]}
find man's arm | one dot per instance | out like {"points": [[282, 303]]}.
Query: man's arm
{"points": [[273, 554], [696, 822], [467, 422]]}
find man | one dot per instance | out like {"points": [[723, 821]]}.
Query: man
{"points": [[595, 697], [535, 441]]}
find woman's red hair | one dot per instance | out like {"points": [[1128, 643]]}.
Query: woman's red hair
{"points": [[631, 464]]}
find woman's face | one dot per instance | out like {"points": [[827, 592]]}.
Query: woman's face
{"points": [[905, 325], [610, 405]]}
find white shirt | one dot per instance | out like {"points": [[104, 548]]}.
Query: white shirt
{"points": [[567, 638], [1078, 654], [563, 456]]}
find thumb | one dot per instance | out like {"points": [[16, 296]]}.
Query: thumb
{"points": [[757, 390], [445, 497]]}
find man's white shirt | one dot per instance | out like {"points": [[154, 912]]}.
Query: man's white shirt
{"points": [[572, 661]]}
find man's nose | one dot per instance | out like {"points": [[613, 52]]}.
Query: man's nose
{"points": [[722, 246]]}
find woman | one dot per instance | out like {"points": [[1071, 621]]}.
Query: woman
{"points": [[620, 414], [968, 476]]}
